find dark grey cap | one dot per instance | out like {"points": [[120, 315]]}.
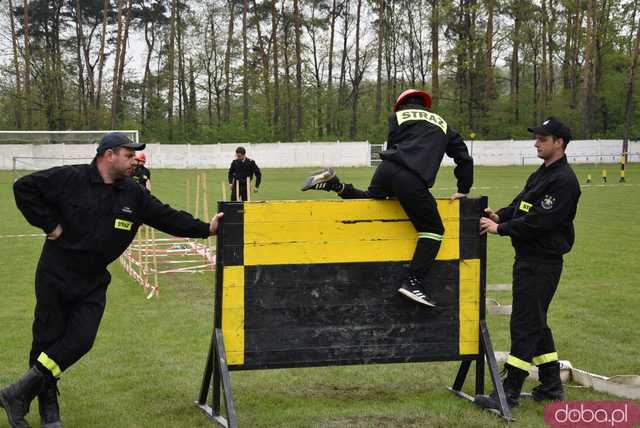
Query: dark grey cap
{"points": [[552, 126], [118, 139]]}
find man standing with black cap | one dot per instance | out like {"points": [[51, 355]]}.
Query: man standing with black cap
{"points": [[241, 171], [539, 222], [90, 214]]}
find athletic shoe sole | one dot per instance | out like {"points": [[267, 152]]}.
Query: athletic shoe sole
{"points": [[317, 177], [415, 298]]}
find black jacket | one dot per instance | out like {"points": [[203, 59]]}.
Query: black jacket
{"points": [[241, 169], [540, 219], [418, 140], [98, 220], [141, 174]]}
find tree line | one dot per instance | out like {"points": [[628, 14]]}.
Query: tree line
{"points": [[293, 70]]}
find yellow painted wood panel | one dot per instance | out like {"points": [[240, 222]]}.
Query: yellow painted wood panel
{"points": [[295, 232], [233, 314], [469, 311], [325, 210]]}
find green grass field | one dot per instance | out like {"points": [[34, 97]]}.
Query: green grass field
{"points": [[146, 366]]}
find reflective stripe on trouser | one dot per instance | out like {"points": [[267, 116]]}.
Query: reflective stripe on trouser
{"points": [[428, 235], [545, 358], [49, 364], [517, 362]]}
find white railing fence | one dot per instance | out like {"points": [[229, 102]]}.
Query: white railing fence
{"points": [[305, 154]]}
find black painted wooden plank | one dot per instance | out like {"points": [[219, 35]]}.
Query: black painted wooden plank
{"points": [[347, 315], [233, 255], [484, 203], [362, 335], [471, 207], [344, 355], [345, 273], [232, 230], [299, 364], [233, 234], [233, 211], [259, 297], [470, 249], [470, 240]]}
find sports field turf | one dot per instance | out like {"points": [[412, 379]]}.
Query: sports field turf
{"points": [[146, 365]]}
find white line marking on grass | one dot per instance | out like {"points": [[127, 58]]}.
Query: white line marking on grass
{"points": [[33, 235]]}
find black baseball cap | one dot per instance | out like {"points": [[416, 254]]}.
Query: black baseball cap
{"points": [[552, 126], [118, 139]]}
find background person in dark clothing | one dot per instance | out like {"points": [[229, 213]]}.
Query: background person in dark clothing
{"points": [[539, 222], [90, 214], [241, 168], [418, 140], [141, 173]]}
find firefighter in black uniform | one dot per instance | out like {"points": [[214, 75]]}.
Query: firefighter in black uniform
{"points": [[242, 168], [90, 214], [539, 222], [417, 142], [141, 173]]}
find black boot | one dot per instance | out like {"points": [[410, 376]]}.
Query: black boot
{"points": [[48, 404], [16, 398], [512, 385], [550, 387]]}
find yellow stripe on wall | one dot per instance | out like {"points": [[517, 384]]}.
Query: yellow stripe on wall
{"points": [[300, 232], [233, 314], [469, 298]]}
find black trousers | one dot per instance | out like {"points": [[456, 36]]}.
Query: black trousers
{"points": [[69, 308], [534, 284], [392, 180], [239, 186]]}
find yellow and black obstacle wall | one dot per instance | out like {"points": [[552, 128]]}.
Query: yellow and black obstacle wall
{"points": [[314, 283]]}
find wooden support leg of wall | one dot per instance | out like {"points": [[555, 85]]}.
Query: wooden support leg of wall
{"points": [[217, 368], [505, 411], [486, 352]]}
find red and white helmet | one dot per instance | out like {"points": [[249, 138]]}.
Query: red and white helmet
{"points": [[426, 98], [140, 157]]}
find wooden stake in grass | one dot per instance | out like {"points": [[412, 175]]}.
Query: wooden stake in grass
{"points": [[140, 241], [237, 184], [155, 289], [188, 194], [224, 191], [145, 262], [248, 188], [197, 210], [205, 203]]}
